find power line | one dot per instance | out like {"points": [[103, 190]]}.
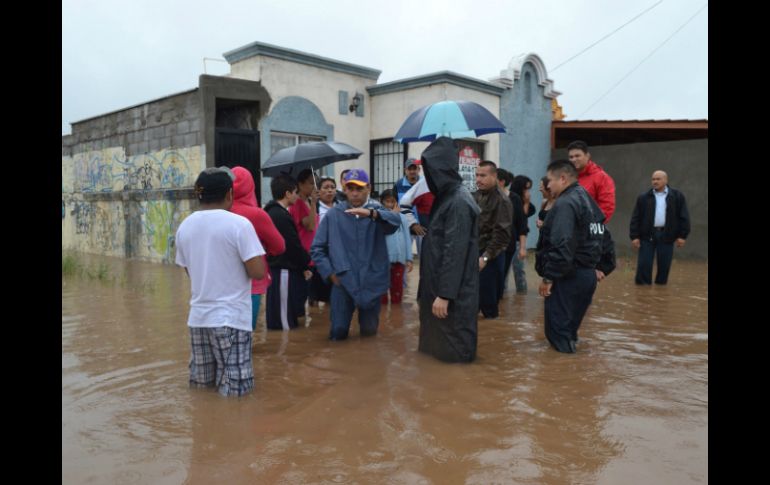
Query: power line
{"points": [[643, 60], [581, 52]]}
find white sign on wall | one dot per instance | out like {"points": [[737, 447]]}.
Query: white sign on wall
{"points": [[469, 160]]}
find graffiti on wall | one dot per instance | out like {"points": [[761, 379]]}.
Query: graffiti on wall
{"points": [[91, 173], [98, 224], [107, 227], [139, 228], [160, 220], [82, 212], [111, 170], [168, 169]]}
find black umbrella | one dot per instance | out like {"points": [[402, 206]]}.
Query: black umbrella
{"points": [[293, 160]]}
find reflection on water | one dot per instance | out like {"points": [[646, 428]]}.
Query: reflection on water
{"points": [[630, 407]]}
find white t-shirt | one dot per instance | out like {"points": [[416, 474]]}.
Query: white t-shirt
{"points": [[213, 245], [323, 209]]}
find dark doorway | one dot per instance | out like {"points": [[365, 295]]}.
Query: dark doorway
{"points": [[236, 138]]}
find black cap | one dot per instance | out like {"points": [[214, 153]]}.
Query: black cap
{"points": [[213, 183]]}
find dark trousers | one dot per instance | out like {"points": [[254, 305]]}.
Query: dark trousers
{"points": [[396, 284], [647, 251], [319, 289], [283, 300], [506, 270], [342, 308], [490, 282], [566, 307], [302, 293]]}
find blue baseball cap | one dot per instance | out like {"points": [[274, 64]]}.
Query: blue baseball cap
{"points": [[356, 176]]}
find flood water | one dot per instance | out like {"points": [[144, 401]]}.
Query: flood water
{"points": [[631, 406]]}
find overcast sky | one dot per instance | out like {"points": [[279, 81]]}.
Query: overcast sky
{"points": [[116, 53]]}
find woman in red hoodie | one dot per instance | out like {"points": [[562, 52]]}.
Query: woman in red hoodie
{"points": [[245, 204]]}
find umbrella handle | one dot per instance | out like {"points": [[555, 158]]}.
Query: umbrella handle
{"points": [[315, 184]]}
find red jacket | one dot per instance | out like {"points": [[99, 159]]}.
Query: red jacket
{"points": [[424, 203], [245, 204], [600, 187]]}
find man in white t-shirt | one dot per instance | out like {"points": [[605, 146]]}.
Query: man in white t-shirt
{"points": [[221, 253]]}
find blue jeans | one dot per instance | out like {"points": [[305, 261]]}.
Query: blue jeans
{"points": [[342, 308], [647, 251], [519, 275]]}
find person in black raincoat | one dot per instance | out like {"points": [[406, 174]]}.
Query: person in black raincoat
{"points": [[448, 293]]}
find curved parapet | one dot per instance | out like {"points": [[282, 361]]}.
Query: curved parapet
{"points": [[514, 69]]}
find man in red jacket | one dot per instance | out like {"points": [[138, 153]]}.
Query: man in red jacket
{"points": [[591, 177]]}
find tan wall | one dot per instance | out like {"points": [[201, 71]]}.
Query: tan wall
{"points": [[392, 109], [319, 86]]}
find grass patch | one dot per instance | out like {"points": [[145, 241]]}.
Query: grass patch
{"points": [[73, 266], [70, 265]]}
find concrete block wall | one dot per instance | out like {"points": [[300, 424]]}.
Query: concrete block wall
{"points": [[127, 178], [170, 122]]}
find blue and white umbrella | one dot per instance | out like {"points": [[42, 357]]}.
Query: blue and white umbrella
{"points": [[453, 119]]}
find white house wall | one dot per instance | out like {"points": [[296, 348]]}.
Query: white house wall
{"points": [[321, 87], [392, 109]]}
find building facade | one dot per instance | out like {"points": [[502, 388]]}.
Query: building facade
{"points": [[127, 176]]}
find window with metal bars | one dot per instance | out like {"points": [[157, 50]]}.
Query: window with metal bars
{"points": [[387, 164]]}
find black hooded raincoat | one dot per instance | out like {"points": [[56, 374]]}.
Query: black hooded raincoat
{"points": [[449, 263]]}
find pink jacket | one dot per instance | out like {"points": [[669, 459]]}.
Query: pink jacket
{"points": [[245, 204]]}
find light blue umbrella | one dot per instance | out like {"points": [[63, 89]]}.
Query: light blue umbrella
{"points": [[453, 119]]}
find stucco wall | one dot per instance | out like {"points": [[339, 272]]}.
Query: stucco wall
{"points": [[631, 166], [292, 114], [525, 147], [320, 87], [392, 109]]}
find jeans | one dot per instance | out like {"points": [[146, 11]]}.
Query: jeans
{"points": [[342, 308], [519, 275]]}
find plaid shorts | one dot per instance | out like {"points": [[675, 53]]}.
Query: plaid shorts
{"points": [[221, 357]]}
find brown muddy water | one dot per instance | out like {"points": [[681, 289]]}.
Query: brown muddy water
{"points": [[630, 407]]}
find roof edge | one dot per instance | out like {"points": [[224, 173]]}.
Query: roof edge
{"points": [[448, 77], [278, 52]]}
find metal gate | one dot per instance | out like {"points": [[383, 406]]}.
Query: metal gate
{"points": [[234, 147]]}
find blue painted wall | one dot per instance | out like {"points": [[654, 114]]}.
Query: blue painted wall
{"points": [[293, 114], [526, 147]]}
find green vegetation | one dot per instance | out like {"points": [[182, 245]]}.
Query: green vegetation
{"points": [[73, 266]]}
